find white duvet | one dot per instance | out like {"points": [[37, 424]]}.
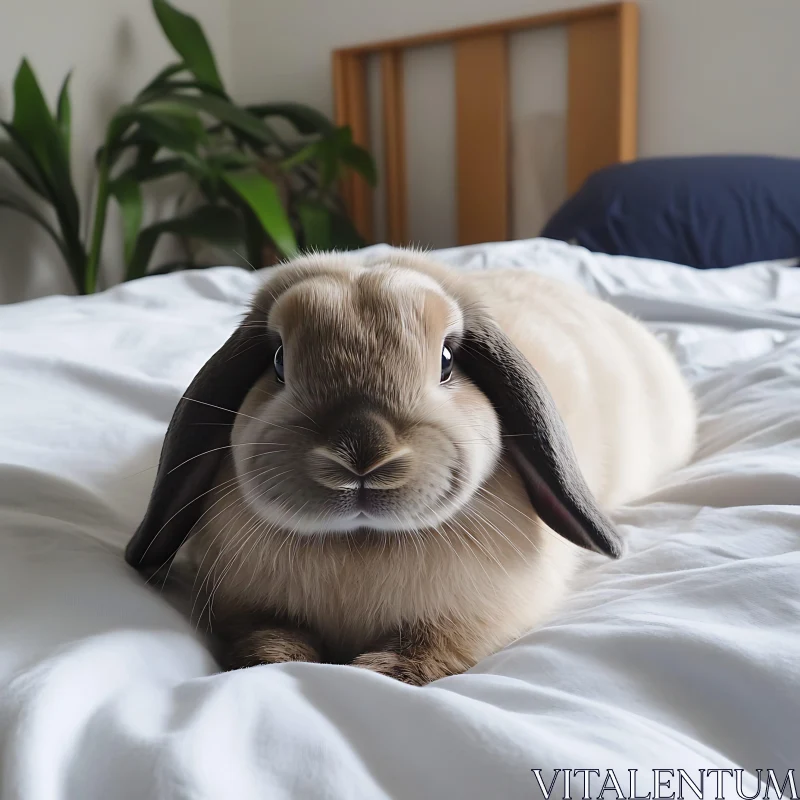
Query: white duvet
{"points": [[685, 655]]}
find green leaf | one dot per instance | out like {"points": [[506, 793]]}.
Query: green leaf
{"points": [[189, 108], [255, 240], [315, 220], [126, 191], [64, 116], [305, 119], [344, 235], [230, 160], [32, 120], [176, 88], [22, 206], [187, 37], [71, 251], [236, 118], [160, 124], [180, 136], [146, 153], [303, 155], [36, 129], [328, 156], [261, 194], [144, 171], [219, 225], [344, 135], [358, 159], [163, 77], [171, 107], [330, 153], [23, 165]]}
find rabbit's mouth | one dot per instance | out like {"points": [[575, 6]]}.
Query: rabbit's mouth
{"points": [[385, 511], [289, 497]]}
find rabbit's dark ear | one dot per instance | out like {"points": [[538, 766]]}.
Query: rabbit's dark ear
{"points": [[195, 442], [536, 436]]}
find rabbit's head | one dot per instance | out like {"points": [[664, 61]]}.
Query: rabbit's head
{"points": [[375, 397], [362, 418]]}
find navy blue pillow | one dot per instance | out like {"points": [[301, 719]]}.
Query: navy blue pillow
{"points": [[704, 211]]}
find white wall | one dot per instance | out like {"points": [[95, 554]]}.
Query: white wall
{"points": [[114, 47]]}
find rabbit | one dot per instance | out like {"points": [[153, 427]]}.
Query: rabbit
{"points": [[397, 465]]}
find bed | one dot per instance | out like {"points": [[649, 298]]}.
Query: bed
{"points": [[684, 655]]}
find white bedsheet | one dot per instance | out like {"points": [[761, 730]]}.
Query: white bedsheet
{"points": [[684, 655]]}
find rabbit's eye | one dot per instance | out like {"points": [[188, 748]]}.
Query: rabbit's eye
{"points": [[447, 364], [279, 364]]}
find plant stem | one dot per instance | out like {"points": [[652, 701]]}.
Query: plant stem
{"points": [[98, 225]]}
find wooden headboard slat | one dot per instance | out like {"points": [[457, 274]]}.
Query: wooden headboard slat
{"points": [[482, 182], [629, 81], [602, 87], [350, 86], [342, 114], [394, 147], [593, 95]]}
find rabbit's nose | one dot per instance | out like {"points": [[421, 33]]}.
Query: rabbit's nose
{"points": [[362, 453]]}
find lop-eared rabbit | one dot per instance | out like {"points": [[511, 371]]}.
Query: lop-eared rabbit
{"points": [[395, 465]]}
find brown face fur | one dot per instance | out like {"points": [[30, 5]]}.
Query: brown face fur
{"points": [[363, 435]]}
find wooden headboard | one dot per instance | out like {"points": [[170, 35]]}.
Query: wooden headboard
{"points": [[600, 121]]}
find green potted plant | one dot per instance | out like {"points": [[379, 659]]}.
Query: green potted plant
{"points": [[256, 190]]}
